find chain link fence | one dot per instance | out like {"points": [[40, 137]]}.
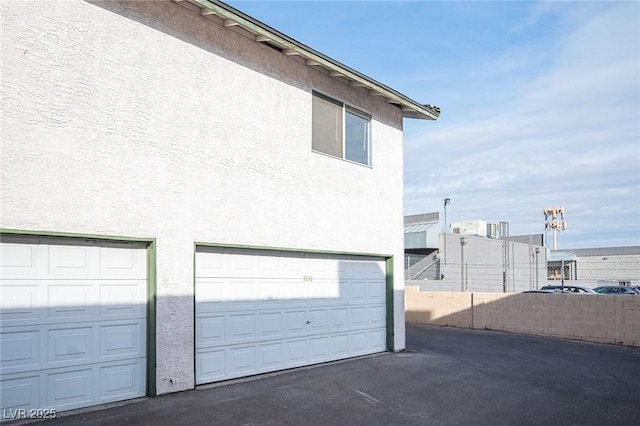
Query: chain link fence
{"points": [[422, 267], [595, 271], [478, 264]]}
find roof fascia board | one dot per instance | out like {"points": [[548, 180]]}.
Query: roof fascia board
{"points": [[410, 108]]}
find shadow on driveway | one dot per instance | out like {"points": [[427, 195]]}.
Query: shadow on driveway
{"points": [[447, 376]]}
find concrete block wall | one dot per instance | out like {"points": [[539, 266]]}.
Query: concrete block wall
{"points": [[438, 308], [596, 318]]}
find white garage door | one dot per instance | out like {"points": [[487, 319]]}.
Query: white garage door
{"points": [[259, 311], [73, 323]]}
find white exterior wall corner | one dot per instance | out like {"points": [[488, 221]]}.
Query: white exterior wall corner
{"points": [[143, 119]]}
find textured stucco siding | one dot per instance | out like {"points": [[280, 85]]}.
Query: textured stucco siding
{"points": [[143, 119]]}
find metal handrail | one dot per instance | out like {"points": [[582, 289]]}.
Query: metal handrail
{"points": [[413, 277]]}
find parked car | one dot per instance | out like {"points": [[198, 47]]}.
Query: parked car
{"points": [[544, 291], [616, 289], [574, 289]]}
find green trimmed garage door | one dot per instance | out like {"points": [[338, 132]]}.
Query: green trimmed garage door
{"points": [[259, 311], [73, 323]]}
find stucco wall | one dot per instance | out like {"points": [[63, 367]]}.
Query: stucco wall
{"points": [[596, 318], [142, 119]]}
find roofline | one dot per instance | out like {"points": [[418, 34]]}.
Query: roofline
{"points": [[290, 47], [604, 251]]}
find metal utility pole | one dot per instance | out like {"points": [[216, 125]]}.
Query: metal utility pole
{"points": [[537, 253], [446, 201], [562, 272], [462, 244], [505, 265], [551, 216]]}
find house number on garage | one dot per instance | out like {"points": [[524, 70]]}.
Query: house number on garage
{"points": [[307, 278]]}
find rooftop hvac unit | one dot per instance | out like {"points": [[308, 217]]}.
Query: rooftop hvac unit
{"points": [[493, 230], [472, 227]]}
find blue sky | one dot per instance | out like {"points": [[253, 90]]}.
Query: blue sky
{"points": [[540, 103]]}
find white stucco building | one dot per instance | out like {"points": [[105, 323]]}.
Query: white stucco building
{"points": [[188, 196]]}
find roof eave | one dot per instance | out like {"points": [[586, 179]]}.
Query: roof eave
{"points": [[232, 17]]}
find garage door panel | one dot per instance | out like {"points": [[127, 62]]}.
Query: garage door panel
{"points": [[70, 389], [292, 289], [118, 263], [358, 317], [340, 346], [362, 269], [358, 343], [70, 344], [210, 331], [376, 316], [357, 292], [288, 310], [294, 265], [319, 349], [269, 267], [339, 318], [19, 349], [20, 392], [244, 291], [209, 265], [106, 301], [211, 292], [210, 365], [376, 291], [73, 328], [122, 380], [75, 387], [72, 301], [324, 291], [323, 302], [122, 299], [20, 302], [377, 340], [241, 327], [270, 357], [242, 361], [295, 322], [318, 320], [270, 324], [269, 289], [242, 265], [68, 260], [37, 348], [21, 261], [367, 292], [123, 340], [322, 267], [295, 353]]}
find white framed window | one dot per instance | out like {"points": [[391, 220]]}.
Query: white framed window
{"points": [[340, 130]]}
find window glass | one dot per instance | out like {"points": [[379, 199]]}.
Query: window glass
{"points": [[340, 131], [327, 126], [356, 137]]}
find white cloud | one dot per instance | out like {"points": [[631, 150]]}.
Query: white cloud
{"points": [[570, 136]]}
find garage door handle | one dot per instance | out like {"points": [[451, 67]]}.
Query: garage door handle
{"points": [[308, 322]]}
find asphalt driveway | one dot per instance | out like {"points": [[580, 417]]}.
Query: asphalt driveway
{"points": [[447, 376]]}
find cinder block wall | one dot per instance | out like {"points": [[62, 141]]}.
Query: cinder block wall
{"points": [[594, 318]]}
